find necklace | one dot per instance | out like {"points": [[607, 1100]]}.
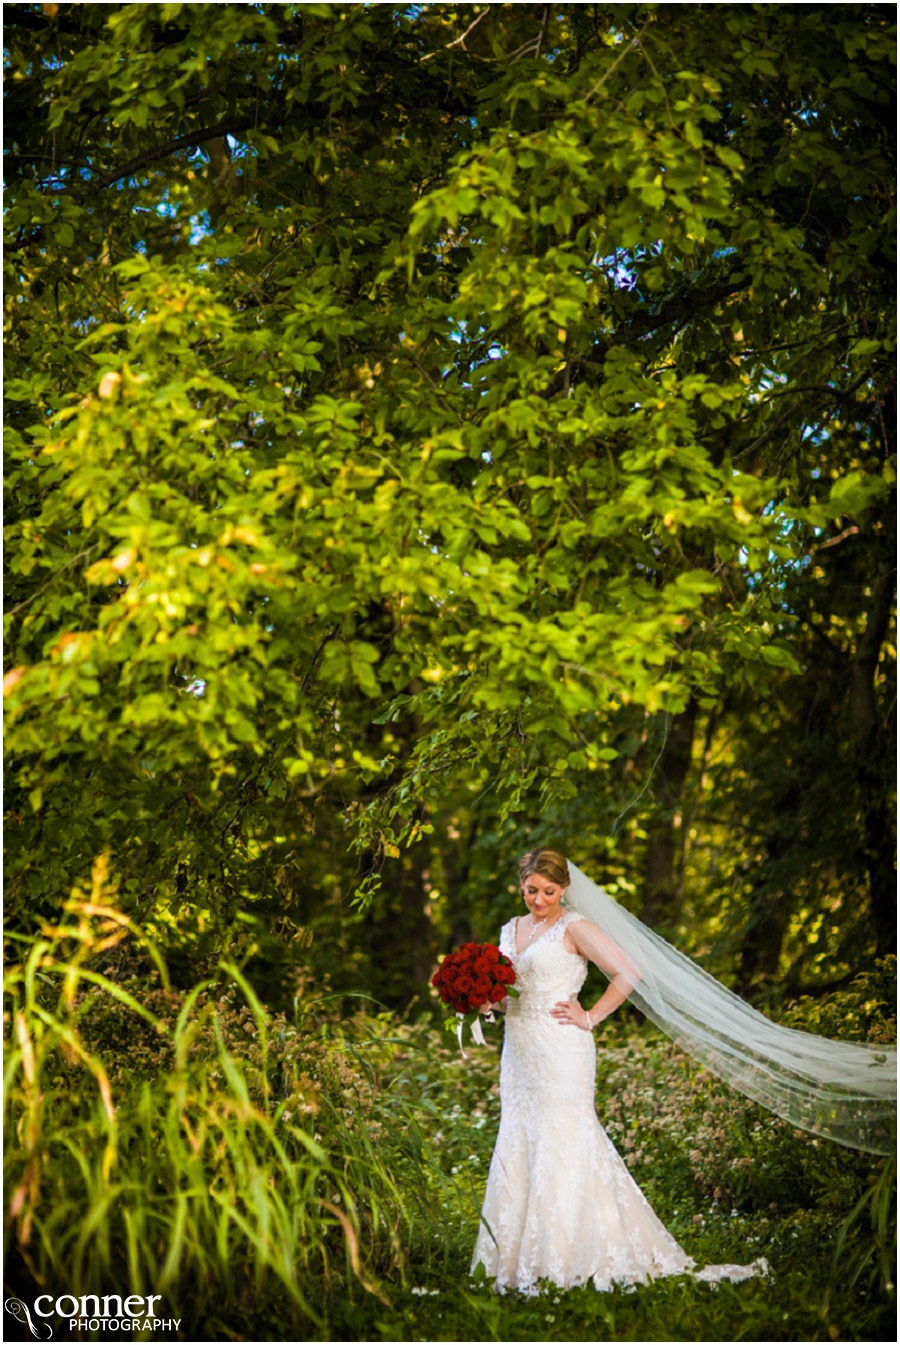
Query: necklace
{"points": [[535, 926]]}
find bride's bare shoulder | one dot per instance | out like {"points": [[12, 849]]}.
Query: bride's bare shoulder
{"points": [[576, 924]]}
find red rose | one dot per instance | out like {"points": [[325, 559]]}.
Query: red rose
{"points": [[473, 975]]}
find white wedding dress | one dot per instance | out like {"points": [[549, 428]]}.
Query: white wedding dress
{"points": [[560, 1203]]}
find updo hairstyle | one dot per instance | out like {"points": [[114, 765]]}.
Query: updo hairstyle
{"points": [[549, 864]]}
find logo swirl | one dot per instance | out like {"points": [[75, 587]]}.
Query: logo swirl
{"points": [[20, 1311]]}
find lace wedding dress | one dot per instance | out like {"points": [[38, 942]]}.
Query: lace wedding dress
{"points": [[560, 1202]]}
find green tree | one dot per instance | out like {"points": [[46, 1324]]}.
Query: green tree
{"points": [[406, 406]]}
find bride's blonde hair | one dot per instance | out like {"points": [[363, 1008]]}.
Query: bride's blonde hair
{"points": [[549, 864]]}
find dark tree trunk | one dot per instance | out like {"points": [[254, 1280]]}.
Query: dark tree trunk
{"points": [[760, 955], [401, 939], [877, 816], [662, 872], [457, 863], [771, 904], [402, 943]]}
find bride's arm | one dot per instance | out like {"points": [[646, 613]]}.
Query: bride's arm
{"points": [[623, 975]]}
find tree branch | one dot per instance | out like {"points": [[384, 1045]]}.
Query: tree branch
{"points": [[200, 137], [458, 41], [678, 310]]}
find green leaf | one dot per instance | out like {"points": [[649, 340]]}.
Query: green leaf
{"points": [[779, 656], [854, 493]]}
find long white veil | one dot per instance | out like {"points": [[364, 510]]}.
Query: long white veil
{"points": [[844, 1091]]}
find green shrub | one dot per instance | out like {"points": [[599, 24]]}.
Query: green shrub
{"points": [[186, 1144], [865, 1011]]}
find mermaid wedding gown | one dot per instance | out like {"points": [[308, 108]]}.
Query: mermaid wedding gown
{"points": [[560, 1203]]}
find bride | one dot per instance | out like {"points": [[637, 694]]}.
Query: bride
{"points": [[560, 1203]]}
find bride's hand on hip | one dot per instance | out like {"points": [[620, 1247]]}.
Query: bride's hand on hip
{"points": [[569, 1012]]}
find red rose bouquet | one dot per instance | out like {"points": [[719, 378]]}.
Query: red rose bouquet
{"points": [[474, 975]]}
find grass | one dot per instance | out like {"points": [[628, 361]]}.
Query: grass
{"points": [[787, 1211], [319, 1177]]}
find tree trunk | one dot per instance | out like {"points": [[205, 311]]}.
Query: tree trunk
{"points": [[662, 873], [877, 816], [457, 863], [771, 905], [401, 939]]}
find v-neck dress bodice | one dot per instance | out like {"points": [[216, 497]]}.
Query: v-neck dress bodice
{"points": [[545, 969], [545, 966]]}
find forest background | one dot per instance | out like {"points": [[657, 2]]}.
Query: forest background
{"points": [[432, 432]]}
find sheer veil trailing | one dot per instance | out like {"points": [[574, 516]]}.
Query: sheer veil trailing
{"points": [[843, 1091]]}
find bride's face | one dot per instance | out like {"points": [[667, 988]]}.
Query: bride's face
{"points": [[541, 896]]}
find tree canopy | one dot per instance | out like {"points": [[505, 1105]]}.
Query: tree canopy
{"points": [[433, 429]]}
